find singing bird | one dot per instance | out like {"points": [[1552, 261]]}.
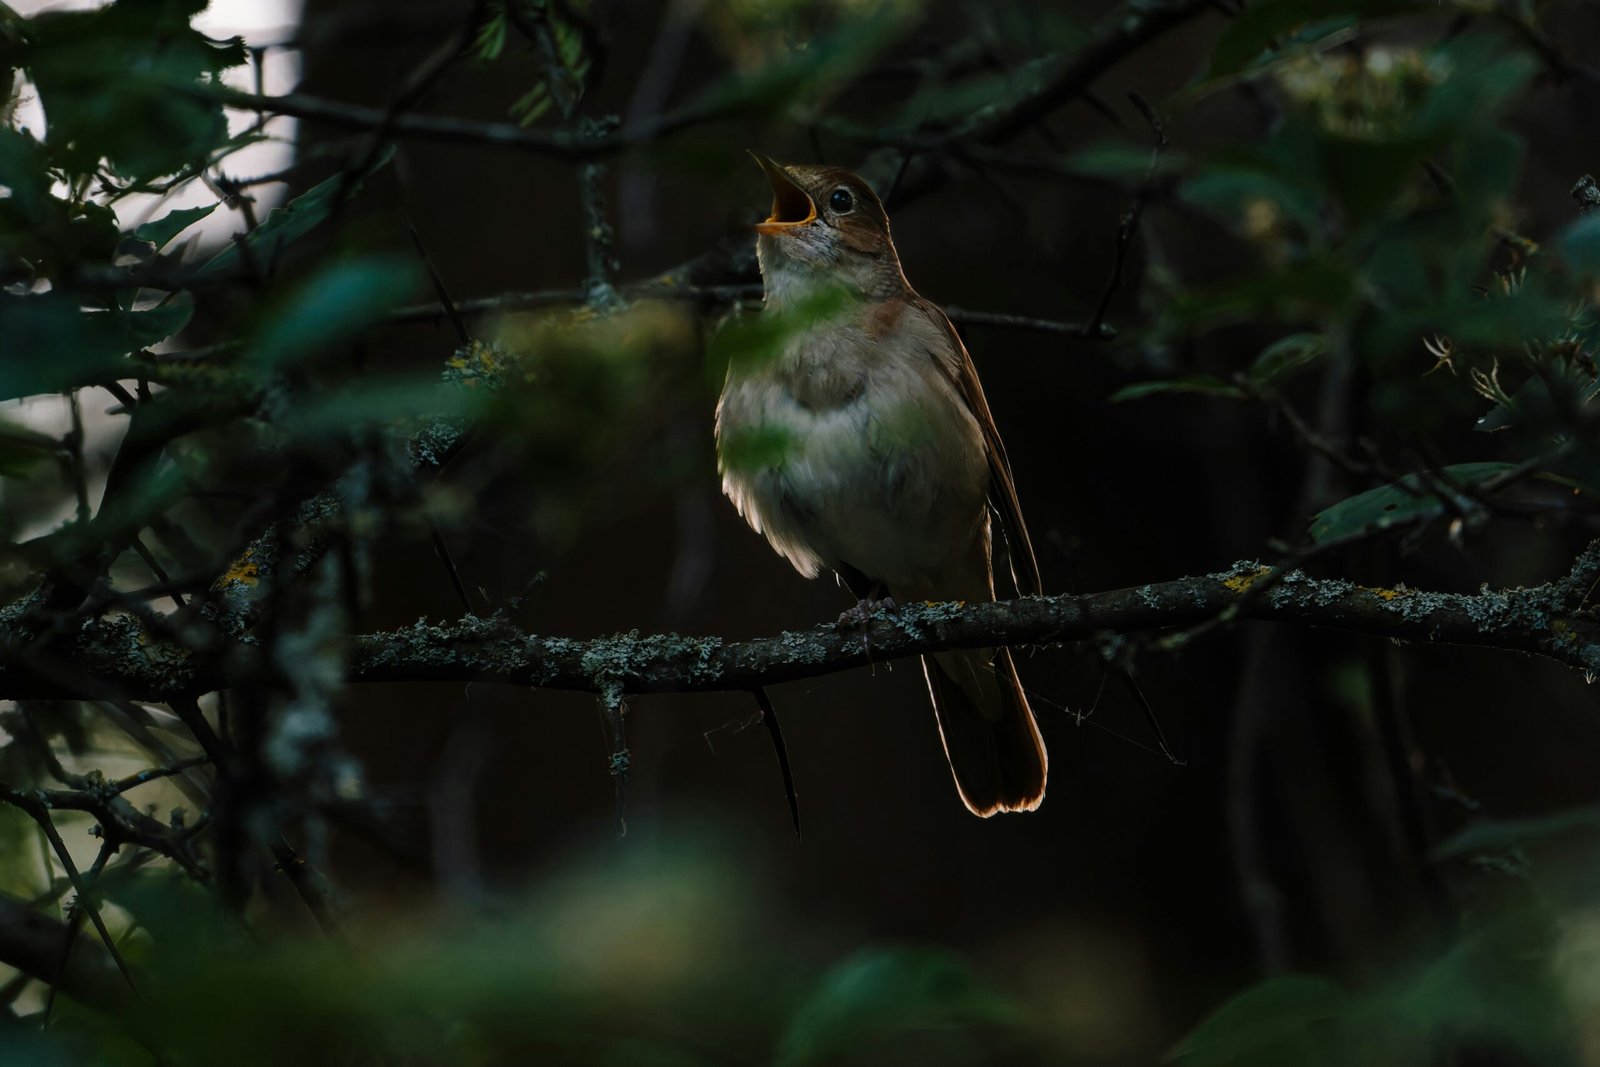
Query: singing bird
{"points": [[890, 462]]}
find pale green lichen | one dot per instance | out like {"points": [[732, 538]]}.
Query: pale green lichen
{"points": [[611, 663], [801, 648], [921, 619]]}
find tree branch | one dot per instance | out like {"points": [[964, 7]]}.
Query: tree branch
{"points": [[1550, 620], [34, 944]]}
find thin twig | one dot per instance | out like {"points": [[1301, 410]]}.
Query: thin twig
{"points": [[40, 814], [769, 719], [1129, 226]]}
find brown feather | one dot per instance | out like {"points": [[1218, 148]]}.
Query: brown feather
{"points": [[1002, 487]]}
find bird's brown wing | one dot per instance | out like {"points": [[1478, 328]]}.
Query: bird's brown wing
{"points": [[1002, 487]]}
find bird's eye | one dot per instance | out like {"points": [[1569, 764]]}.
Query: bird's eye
{"points": [[841, 201]]}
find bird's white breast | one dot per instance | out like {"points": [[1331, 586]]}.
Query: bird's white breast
{"points": [[863, 455]]}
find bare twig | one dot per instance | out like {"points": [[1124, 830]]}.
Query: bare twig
{"points": [[1129, 225], [769, 719]]}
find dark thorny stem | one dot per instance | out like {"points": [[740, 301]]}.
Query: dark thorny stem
{"points": [[769, 719]]}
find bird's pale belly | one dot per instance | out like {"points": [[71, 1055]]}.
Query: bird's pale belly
{"points": [[891, 482]]}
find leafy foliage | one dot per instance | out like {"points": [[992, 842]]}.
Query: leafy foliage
{"points": [[159, 119], [1403, 502]]}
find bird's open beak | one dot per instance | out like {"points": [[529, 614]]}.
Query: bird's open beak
{"points": [[791, 207]]}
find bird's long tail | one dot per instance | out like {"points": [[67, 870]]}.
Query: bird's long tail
{"points": [[989, 733]]}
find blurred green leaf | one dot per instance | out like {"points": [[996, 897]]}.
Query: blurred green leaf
{"points": [[1498, 834], [53, 345], [23, 1046], [39, 232], [1309, 289], [393, 402], [23, 170], [288, 223], [760, 447], [333, 305], [1285, 170], [1122, 161], [532, 105], [159, 117], [168, 226], [806, 72], [490, 40], [1482, 78], [1263, 25], [1413, 497], [1533, 407], [1287, 355], [1314, 36], [1281, 1021], [747, 340], [1366, 175], [1200, 384], [1580, 245], [879, 994], [1493, 989]]}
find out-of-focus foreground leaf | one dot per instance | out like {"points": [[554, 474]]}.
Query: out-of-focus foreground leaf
{"points": [[52, 344], [881, 993], [159, 117]]}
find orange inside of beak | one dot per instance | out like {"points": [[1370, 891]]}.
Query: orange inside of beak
{"points": [[791, 206]]}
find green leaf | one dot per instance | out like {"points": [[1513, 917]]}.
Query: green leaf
{"points": [[168, 226], [748, 340], [1305, 290], [23, 171], [809, 72], [1499, 834], [1287, 355], [1286, 170], [41, 230], [1580, 245], [53, 345], [158, 117], [491, 37], [1484, 79], [757, 448], [880, 994], [1411, 498], [1200, 384], [1281, 1021], [1367, 176], [1532, 406], [1121, 161], [332, 306], [1311, 37], [1262, 26], [288, 223], [532, 105]]}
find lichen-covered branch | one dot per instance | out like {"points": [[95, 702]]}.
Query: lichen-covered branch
{"points": [[1552, 620]]}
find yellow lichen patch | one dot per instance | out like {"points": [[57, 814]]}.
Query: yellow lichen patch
{"points": [[1386, 594], [1240, 582], [243, 570]]}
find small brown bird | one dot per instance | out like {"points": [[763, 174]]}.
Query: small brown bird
{"points": [[888, 461]]}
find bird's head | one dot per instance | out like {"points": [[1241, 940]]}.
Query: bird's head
{"points": [[827, 228]]}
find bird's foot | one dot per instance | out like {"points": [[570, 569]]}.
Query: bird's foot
{"points": [[863, 610]]}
